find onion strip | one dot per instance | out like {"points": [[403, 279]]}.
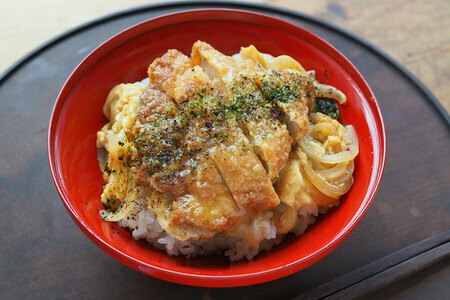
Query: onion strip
{"points": [[323, 185], [338, 170], [285, 222], [328, 91], [320, 198], [344, 179], [348, 154]]}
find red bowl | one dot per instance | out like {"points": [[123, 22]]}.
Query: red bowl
{"points": [[77, 116]]}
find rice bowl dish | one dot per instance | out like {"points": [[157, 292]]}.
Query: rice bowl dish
{"points": [[257, 133]]}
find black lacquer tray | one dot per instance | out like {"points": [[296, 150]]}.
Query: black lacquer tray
{"points": [[43, 254]]}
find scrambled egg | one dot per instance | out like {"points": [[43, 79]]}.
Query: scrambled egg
{"points": [[120, 108]]}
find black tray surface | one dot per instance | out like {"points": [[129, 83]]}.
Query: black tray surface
{"points": [[44, 254]]}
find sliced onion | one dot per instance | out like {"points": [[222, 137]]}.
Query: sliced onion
{"points": [[320, 198], [338, 170], [284, 62], [323, 185], [347, 179], [348, 154], [319, 166], [328, 91], [322, 129], [285, 222]]}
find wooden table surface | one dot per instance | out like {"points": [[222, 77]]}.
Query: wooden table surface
{"points": [[415, 33]]}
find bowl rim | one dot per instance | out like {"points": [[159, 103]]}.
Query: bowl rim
{"points": [[216, 280]]}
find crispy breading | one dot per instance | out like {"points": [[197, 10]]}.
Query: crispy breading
{"points": [[188, 195], [242, 171], [267, 134]]}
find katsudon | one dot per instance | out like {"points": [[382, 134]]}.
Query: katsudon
{"points": [[222, 154]]}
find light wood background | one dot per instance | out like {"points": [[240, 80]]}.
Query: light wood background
{"points": [[415, 33]]}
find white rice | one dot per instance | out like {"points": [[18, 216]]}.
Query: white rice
{"points": [[144, 225]]}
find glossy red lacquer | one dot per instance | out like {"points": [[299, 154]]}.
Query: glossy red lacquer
{"points": [[77, 116]]}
